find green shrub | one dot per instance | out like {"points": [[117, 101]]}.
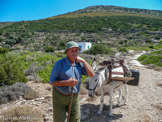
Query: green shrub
{"points": [[137, 48], [151, 59], [141, 58], [1, 40], [157, 37], [98, 49], [15, 65], [45, 73], [1, 32], [61, 45], [148, 41], [122, 49], [11, 42], [12, 73], [157, 47], [49, 49], [6, 46], [3, 50], [157, 52], [152, 47], [3, 75]]}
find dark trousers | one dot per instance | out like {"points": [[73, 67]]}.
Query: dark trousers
{"points": [[60, 107]]}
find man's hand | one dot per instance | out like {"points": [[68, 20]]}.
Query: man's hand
{"points": [[88, 68], [79, 59], [72, 82]]}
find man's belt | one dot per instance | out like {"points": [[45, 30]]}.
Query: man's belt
{"points": [[63, 93]]}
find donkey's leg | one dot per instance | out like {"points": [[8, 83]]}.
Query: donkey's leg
{"points": [[126, 94], [101, 102], [110, 102], [120, 95]]}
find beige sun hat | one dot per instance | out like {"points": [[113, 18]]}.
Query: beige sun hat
{"points": [[71, 44]]}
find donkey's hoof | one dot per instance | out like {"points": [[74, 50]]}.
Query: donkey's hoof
{"points": [[125, 103], [110, 116], [99, 113]]}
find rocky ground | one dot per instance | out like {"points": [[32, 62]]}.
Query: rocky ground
{"points": [[144, 101]]}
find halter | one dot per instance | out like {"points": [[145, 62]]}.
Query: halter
{"points": [[96, 84]]}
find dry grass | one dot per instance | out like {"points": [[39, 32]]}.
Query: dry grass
{"points": [[31, 94], [22, 113], [15, 91]]}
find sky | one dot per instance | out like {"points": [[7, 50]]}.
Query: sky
{"points": [[23, 10]]}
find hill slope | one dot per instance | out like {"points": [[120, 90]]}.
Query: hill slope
{"points": [[106, 24]]}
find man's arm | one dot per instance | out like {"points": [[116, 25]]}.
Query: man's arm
{"points": [[88, 68]]}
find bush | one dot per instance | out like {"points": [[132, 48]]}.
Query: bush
{"points": [[11, 42], [49, 49], [61, 45], [157, 37], [15, 91], [141, 58], [6, 46], [45, 73], [151, 59], [1, 32], [3, 50], [30, 94], [23, 113], [1, 40], [157, 52], [98, 49], [122, 49], [16, 65], [12, 73]]}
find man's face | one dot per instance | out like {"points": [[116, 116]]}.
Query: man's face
{"points": [[72, 53]]}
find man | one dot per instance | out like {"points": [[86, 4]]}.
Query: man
{"points": [[66, 74]]}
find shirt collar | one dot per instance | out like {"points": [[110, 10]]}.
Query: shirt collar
{"points": [[68, 62]]}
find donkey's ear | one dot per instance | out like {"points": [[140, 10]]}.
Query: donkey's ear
{"points": [[94, 64]]}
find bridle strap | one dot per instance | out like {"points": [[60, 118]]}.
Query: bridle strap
{"points": [[95, 86]]}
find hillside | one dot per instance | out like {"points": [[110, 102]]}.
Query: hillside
{"points": [[110, 25], [103, 10]]}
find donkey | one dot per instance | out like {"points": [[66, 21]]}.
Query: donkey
{"points": [[101, 81]]}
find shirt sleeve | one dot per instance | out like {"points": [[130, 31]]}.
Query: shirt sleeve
{"points": [[55, 72], [84, 72]]}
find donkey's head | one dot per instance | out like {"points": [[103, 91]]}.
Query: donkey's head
{"points": [[96, 82]]}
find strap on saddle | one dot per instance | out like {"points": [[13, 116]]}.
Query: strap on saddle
{"points": [[110, 66]]}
